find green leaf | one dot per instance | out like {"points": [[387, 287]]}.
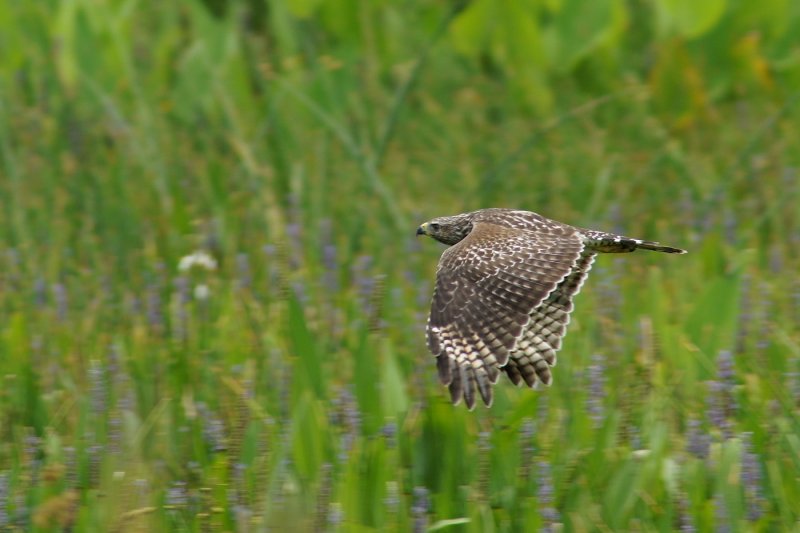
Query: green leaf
{"points": [[366, 375], [621, 494], [579, 28], [302, 8], [305, 349], [309, 436], [470, 30], [711, 324], [689, 17], [394, 396]]}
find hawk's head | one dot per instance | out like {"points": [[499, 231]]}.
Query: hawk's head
{"points": [[448, 230]]}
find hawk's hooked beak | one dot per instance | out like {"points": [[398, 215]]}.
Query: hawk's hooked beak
{"points": [[423, 229]]}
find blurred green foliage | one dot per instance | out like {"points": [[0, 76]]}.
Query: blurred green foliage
{"points": [[280, 378]]}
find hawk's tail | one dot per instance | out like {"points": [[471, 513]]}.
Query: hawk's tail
{"points": [[654, 246], [600, 241]]}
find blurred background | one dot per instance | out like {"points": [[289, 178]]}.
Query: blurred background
{"points": [[212, 302]]}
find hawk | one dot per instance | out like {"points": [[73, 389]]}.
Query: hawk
{"points": [[503, 294]]}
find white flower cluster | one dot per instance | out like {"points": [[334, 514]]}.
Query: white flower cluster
{"points": [[199, 259], [202, 260]]}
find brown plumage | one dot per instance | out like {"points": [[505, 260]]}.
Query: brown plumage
{"points": [[504, 293]]}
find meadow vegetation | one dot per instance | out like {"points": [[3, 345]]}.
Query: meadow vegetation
{"points": [[212, 300]]}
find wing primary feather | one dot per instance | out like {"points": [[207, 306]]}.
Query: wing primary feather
{"points": [[484, 387], [456, 387], [445, 365], [469, 386], [513, 372]]}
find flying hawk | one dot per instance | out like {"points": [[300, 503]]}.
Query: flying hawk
{"points": [[504, 292]]}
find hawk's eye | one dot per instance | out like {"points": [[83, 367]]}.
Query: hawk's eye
{"points": [[435, 226]]}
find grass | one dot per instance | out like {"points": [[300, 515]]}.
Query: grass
{"points": [[290, 386]]}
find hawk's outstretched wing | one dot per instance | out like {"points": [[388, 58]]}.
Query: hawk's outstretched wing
{"points": [[535, 352], [488, 287]]}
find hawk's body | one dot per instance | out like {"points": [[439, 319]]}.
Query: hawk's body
{"points": [[504, 293]]}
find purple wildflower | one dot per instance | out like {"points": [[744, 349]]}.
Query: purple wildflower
{"points": [[751, 478], [793, 379], [182, 299], [236, 496], [716, 405], [177, 495], [392, 499], [597, 381], [97, 385], [730, 227], [12, 269], [70, 466], [322, 518], [698, 442], [745, 315], [95, 456], [300, 292], [765, 331], [420, 509], [546, 497], [124, 397], [369, 290], [335, 517], [243, 273], [273, 266], [329, 257], [725, 370], [155, 316], [365, 284], [60, 297], [721, 402], [213, 428], [484, 456], [796, 300], [40, 292], [349, 419], [32, 448], [721, 517], [685, 522], [389, 431], [526, 447], [294, 238], [635, 439], [4, 520]]}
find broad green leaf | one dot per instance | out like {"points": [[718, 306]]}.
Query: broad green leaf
{"points": [[621, 494], [578, 28], [302, 8], [305, 349], [690, 18], [711, 324], [471, 30], [309, 437], [366, 375], [66, 60], [393, 391]]}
